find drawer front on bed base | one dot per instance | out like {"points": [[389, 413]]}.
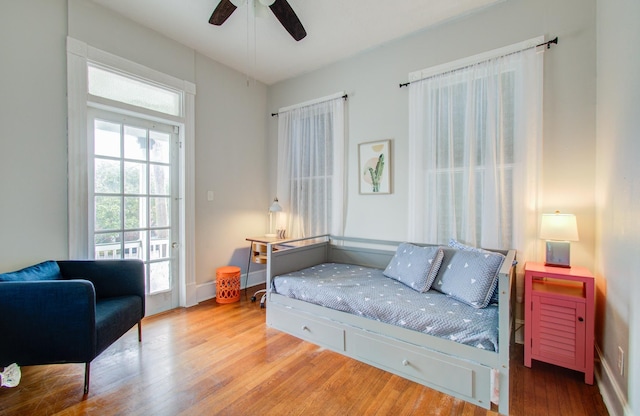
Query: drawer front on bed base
{"points": [[313, 330], [443, 372]]}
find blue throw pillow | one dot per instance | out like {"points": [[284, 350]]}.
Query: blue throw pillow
{"points": [[415, 266], [48, 270], [469, 276]]}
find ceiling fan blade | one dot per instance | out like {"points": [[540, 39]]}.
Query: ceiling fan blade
{"points": [[285, 14], [222, 12]]}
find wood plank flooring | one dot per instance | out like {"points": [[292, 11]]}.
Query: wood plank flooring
{"points": [[222, 360]]}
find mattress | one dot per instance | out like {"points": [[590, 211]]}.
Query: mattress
{"points": [[367, 292]]}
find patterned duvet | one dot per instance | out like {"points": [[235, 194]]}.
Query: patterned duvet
{"points": [[367, 292]]}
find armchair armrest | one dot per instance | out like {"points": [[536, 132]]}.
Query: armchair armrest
{"points": [[45, 322]]}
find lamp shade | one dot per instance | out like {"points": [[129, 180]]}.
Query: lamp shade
{"points": [[561, 227], [275, 206]]}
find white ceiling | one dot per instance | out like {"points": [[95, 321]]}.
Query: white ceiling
{"points": [[336, 29]]}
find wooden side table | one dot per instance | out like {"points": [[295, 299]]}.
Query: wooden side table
{"points": [[258, 254], [559, 312]]}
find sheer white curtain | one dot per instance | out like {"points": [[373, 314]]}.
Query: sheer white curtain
{"points": [[475, 147], [311, 141]]}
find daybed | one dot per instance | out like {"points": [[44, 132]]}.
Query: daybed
{"points": [[458, 364]]}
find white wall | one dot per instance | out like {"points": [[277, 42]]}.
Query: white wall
{"points": [[618, 200], [378, 109], [33, 138], [229, 144]]}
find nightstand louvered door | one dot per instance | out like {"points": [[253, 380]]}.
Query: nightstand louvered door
{"points": [[558, 335]]}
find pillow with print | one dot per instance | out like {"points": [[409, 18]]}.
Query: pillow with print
{"points": [[415, 266], [469, 276], [453, 243]]}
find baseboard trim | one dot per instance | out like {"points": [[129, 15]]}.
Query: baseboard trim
{"points": [[206, 291], [612, 395]]}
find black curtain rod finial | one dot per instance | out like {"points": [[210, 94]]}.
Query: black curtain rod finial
{"points": [[549, 43]]}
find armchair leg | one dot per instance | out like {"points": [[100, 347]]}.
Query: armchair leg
{"points": [[139, 331], [86, 377]]}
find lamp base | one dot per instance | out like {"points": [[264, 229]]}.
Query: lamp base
{"points": [[558, 254]]}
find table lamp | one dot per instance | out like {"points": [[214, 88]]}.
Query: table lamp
{"points": [[274, 208], [558, 229]]}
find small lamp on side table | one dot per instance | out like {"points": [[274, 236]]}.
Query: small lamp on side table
{"points": [[273, 210], [558, 229]]}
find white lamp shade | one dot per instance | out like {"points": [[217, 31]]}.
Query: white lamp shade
{"points": [[561, 227], [275, 207]]}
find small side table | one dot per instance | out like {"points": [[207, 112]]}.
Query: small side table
{"points": [[559, 311], [258, 254]]}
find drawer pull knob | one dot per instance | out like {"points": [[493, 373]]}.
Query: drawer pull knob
{"points": [[405, 362], [305, 328], [581, 319]]}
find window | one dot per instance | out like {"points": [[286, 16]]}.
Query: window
{"points": [[311, 167], [474, 140], [109, 84]]}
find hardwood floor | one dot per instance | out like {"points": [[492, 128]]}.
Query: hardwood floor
{"points": [[221, 359]]}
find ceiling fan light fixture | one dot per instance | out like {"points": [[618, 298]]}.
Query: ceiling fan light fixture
{"points": [[238, 3], [267, 3]]}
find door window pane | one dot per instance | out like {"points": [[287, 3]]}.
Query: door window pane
{"points": [[107, 246], [106, 140], [135, 178], [159, 211], [133, 245], [135, 143], [159, 147], [108, 212], [135, 212], [107, 176], [159, 279], [159, 245], [159, 180]]}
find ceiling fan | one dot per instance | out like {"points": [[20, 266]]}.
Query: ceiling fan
{"points": [[280, 8]]}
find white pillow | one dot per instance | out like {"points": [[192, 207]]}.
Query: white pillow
{"points": [[415, 266]]}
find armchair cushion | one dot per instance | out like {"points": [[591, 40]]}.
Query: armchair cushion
{"points": [[47, 270]]}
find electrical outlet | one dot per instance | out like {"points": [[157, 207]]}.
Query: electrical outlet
{"points": [[620, 360]]}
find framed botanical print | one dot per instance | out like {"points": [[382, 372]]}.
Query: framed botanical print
{"points": [[374, 167]]}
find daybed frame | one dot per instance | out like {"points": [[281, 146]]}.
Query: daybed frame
{"points": [[456, 369]]}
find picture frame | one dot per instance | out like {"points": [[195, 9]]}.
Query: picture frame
{"points": [[374, 167]]}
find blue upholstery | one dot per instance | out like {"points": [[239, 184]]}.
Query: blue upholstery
{"points": [[71, 319]]}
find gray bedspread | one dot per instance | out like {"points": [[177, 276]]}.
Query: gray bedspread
{"points": [[367, 292]]}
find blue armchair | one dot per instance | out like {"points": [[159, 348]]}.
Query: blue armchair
{"points": [[68, 311]]}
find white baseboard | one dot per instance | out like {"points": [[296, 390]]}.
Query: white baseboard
{"points": [[206, 291], [612, 394]]}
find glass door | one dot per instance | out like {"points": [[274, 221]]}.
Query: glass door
{"points": [[134, 199]]}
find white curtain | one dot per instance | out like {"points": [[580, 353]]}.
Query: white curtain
{"points": [[475, 138], [311, 173]]}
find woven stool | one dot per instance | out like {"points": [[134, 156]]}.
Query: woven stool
{"points": [[228, 284]]}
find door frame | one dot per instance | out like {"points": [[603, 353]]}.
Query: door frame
{"points": [[79, 54]]}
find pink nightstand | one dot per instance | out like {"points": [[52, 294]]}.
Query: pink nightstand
{"points": [[559, 317]]}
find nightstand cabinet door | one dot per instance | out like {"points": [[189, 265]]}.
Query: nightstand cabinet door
{"points": [[558, 331]]}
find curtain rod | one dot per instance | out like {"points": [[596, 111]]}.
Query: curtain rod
{"points": [[344, 97], [548, 45]]}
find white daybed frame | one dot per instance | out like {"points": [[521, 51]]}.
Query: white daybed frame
{"points": [[456, 369]]}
